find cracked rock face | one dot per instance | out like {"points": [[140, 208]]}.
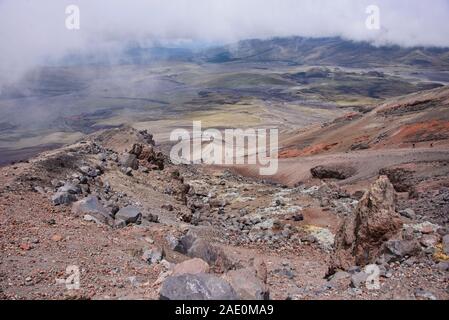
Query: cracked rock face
{"points": [[362, 235]]}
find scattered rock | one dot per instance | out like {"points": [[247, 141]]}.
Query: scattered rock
{"points": [[192, 266], [56, 238], [70, 188], [360, 146], [209, 253], [153, 255], [175, 244], [425, 227], [247, 285], [89, 171], [39, 190], [297, 217], [408, 213], [397, 250], [127, 170], [25, 246], [129, 214], [358, 280], [196, 287], [429, 240], [61, 198], [92, 207], [422, 294], [151, 217], [443, 266], [340, 280], [136, 149], [167, 207], [323, 236], [119, 224]]}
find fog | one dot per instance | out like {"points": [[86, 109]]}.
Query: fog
{"points": [[34, 32]]}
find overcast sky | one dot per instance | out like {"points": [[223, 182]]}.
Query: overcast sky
{"points": [[32, 30]]}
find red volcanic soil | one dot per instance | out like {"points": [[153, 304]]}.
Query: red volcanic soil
{"points": [[434, 130], [309, 151], [408, 129]]}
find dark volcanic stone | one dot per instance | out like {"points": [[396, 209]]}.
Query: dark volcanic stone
{"points": [[197, 287], [332, 172], [129, 214]]}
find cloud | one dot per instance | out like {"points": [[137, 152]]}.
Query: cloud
{"points": [[33, 31]]}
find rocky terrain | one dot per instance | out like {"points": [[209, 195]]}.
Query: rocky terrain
{"points": [[138, 227]]}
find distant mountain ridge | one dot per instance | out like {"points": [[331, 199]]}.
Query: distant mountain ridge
{"points": [[293, 50], [328, 51]]}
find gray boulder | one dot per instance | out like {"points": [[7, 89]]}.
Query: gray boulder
{"points": [[247, 285], [443, 266], [61, 198], [70, 188], [196, 247], [151, 217], [129, 214], [408, 213], [89, 171], [209, 253], [397, 250], [196, 287], [92, 207], [340, 280], [182, 244]]}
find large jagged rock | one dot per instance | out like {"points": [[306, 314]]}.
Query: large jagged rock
{"points": [[361, 237], [92, 207], [148, 155], [196, 287]]}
